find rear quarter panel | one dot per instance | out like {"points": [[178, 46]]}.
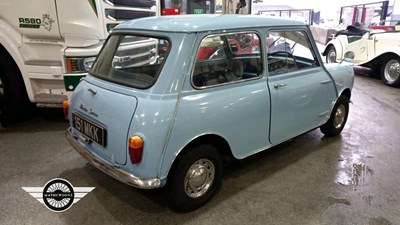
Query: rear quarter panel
{"points": [[343, 76]]}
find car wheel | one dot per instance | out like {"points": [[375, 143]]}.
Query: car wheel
{"points": [[338, 118], [331, 54], [391, 72], [195, 179]]}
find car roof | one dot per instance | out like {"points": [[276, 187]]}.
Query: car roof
{"points": [[203, 22]]}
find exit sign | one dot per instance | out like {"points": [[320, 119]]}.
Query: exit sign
{"points": [[198, 11]]}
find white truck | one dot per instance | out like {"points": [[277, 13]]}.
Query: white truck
{"points": [[47, 46]]}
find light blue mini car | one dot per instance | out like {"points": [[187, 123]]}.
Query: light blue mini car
{"points": [[169, 98]]}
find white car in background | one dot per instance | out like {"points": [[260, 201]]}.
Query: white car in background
{"points": [[377, 50]]}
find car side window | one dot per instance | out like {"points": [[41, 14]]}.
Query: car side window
{"points": [[227, 58], [289, 51]]}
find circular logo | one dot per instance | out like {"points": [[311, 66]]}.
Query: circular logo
{"points": [[58, 195]]}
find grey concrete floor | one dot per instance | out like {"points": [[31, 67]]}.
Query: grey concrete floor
{"points": [[349, 179]]}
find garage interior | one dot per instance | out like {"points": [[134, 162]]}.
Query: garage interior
{"points": [[348, 179]]}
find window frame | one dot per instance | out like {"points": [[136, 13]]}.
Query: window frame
{"points": [[312, 48], [260, 57], [121, 36]]}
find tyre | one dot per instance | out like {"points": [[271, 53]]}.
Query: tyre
{"points": [[338, 118], [331, 54], [390, 71], [14, 102], [195, 179]]}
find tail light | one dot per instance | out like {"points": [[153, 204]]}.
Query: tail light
{"points": [[135, 149], [65, 107], [170, 11]]}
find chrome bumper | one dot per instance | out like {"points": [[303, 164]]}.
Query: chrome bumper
{"points": [[111, 170]]}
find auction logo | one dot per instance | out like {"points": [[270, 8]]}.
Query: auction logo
{"points": [[58, 194]]}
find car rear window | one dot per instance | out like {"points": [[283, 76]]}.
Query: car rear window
{"points": [[134, 61]]}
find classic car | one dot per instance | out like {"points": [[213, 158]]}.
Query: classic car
{"points": [[171, 118], [377, 50]]}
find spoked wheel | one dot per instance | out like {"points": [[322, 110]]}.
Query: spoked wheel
{"points": [[338, 118], [331, 55], [391, 72], [195, 179]]}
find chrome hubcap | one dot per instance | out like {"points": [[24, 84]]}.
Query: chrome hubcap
{"points": [[199, 178], [392, 70], [339, 116], [331, 57]]}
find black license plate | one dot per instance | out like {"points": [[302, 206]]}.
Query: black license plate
{"points": [[91, 130]]}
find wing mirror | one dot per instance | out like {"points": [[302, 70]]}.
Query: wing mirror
{"points": [[348, 57]]}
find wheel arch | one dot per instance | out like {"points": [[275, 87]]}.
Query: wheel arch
{"points": [[377, 61], [326, 49], [10, 42], [338, 47], [211, 139], [347, 93], [9, 56]]}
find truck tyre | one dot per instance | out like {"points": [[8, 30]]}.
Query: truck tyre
{"points": [[338, 118], [195, 179], [14, 102], [390, 71]]}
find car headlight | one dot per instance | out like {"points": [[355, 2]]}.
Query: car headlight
{"points": [[79, 64]]}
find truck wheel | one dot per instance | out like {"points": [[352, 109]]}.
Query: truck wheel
{"points": [[331, 54], [338, 118], [391, 71], [14, 102], [195, 179]]}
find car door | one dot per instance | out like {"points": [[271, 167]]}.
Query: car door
{"points": [[226, 96], [301, 91]]}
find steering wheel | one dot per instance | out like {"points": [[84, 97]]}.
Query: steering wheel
{"points": [[284, 53]]}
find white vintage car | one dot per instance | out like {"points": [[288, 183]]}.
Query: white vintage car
{"points": [[377, 50]]}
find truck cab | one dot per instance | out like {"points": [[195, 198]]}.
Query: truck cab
{"points": [[47, 47]]}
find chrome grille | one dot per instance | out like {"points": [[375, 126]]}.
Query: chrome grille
{"points": [[134, 3], [117, 11], [119, 15]]}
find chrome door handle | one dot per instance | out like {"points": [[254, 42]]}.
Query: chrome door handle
{"points": [[276, 86]]}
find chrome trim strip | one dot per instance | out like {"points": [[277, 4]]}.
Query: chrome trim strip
{"points": [[43, 63], [111, 170], [108, 2]]}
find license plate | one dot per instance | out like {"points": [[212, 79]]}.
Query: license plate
{"points": [[91, 130]]}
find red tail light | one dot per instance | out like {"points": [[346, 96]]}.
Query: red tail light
{"points": [[135, 149], [170, 11], [65, 107]]}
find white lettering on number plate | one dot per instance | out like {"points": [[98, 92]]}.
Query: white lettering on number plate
{"points": [[90, 129]]}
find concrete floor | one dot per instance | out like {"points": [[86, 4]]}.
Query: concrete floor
{"points": [[349, 179]]}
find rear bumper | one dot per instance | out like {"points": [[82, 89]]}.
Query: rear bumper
{"points": [[112, 170]]}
